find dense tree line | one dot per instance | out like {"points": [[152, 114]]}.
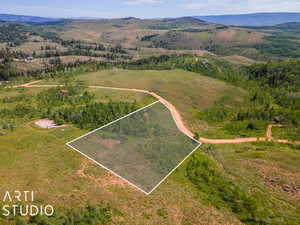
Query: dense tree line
{"points": [[280, 75], [83, 48], [284, 43], [5, 52], [84, 45], [92, 116], [82, 52], [14, 33], [281, 81], [19, 111], [7, 70]]}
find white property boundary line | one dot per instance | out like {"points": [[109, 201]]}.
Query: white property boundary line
{"points": [[147, 193]]}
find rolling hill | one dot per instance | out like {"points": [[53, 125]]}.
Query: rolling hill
{"points": [[184, 33], [147, 37]]}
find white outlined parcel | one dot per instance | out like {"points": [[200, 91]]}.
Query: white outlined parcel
{"points": [[143, 148]]}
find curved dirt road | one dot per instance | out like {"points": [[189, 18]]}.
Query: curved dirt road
{"points": [[177, 117], [27, 84]]}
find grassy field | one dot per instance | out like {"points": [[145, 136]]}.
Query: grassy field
{"points": [[286, 133], [39, 160], [100, 95], [264, 167], [189, 92]]}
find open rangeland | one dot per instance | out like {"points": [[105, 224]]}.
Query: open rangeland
{"points": [[38, 159]]}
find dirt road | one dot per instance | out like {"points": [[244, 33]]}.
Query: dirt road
{"points": [[27, 84], [178, 119]]}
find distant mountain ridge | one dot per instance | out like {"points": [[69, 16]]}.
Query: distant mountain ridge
{"points": [[186, 19], [255, 19], [26, 19]]}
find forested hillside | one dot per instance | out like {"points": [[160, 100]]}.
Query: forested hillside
{"points": [[273, 90]]}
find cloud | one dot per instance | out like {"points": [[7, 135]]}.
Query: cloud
{"points": [[140, 2]]}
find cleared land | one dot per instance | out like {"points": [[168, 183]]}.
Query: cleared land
{"points": [[142, 148]]}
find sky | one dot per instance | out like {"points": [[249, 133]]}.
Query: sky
{"points": [[143, 8]]}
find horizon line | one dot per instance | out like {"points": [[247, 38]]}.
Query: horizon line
{"points": [[179, 16]]}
